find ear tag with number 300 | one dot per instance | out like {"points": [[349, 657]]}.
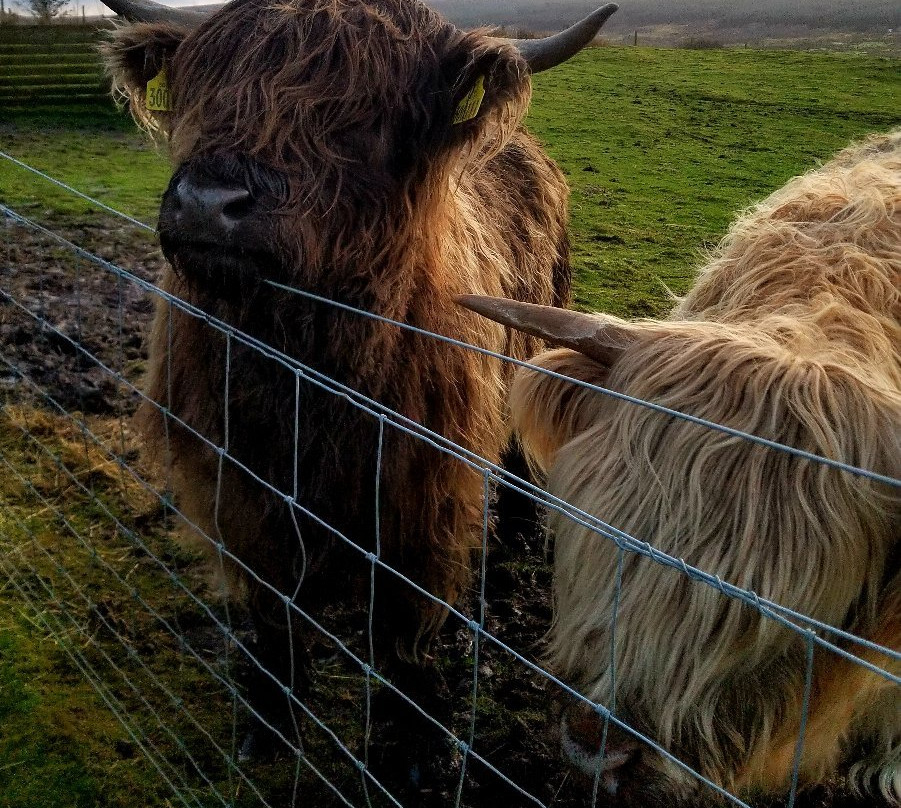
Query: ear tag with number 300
{"points": [[469, 105], [158, 98]]}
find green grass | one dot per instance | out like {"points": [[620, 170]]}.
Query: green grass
{"points": [[48, 35], [78, 594], [66, 609], [660, 147], [95, 148], [54, 739], [59, 746]]}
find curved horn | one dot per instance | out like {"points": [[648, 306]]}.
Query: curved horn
{"points": [[597, 336], [148, 11], [543, 54]]}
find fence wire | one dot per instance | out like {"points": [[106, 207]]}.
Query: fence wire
{"points": [[86, 550]]}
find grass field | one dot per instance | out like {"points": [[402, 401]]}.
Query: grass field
{"points": [[661, 147]]}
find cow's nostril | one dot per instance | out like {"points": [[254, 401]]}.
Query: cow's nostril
{"points": [[205, 211], [238, 207]]}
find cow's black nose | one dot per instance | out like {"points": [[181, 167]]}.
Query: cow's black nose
{"points": [[204, 211]]}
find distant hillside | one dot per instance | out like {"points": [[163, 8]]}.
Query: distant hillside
{"points": [[860, 16], [873, 26], [660, 22]]}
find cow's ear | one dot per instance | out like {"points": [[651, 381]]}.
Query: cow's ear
{"points": [[549, 410], [135, 57], [489, 91]]}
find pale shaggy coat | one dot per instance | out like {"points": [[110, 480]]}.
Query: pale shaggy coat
{"points": [[792, 333]]}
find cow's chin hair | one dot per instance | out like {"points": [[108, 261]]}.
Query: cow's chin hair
{"points": [[217, 272]]}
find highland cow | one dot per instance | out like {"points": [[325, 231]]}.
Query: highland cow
{"points": [[370, 152], [792, 332]]}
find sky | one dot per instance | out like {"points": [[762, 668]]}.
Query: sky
{"points": [[93, 7]]}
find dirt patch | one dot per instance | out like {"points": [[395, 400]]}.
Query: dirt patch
{"points": [[53, 301]]}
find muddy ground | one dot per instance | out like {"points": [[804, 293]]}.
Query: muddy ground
{"points": [[88, 305]]}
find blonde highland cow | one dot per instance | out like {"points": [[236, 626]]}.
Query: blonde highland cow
{"points": [[791, 333]]}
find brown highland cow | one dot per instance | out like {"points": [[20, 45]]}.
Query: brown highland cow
{"points": [[370, 152], [792, 332]]}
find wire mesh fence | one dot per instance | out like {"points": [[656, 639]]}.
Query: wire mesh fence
{"points": [[87, 526]]}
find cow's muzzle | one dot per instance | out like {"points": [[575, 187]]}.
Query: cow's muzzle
{"points": [[216, 225], [595, 753], [205, 212]]}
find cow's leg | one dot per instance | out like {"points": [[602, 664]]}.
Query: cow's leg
{"points": [[518, 515], [278, 676], [408, 747]]}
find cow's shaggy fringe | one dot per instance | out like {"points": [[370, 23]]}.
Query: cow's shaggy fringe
{"points": [[300, 95], [792, 332]]}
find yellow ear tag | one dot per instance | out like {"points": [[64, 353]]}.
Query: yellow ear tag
{"points": [[469, 105], [158, 98]]}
